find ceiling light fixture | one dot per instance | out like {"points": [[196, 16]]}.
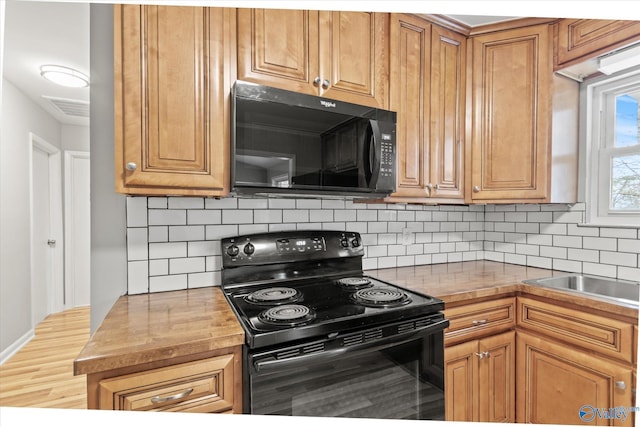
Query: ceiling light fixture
{"points": [[64, 76]]}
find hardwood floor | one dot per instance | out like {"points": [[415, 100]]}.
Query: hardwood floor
{"points": [[40, 375]]}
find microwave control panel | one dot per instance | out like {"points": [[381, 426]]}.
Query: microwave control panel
{"points": [[387, 155]]}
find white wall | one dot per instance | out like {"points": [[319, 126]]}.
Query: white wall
{"points": [[108, 250], [20, 116], [75, 138]]}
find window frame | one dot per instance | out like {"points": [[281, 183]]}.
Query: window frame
{"points": [[600, 151]]}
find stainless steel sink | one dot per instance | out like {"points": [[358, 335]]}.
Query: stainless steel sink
{"points": [[620, 291]]}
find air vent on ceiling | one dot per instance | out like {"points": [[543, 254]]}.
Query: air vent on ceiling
{"points": [[69, 107]]}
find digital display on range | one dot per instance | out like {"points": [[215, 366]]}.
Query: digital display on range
{"points": [[310, 244]]}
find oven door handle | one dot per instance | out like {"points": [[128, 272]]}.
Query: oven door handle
{"points": [[268, 365]]}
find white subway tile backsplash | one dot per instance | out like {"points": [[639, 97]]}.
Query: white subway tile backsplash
{"points": [[599, 269], [217, 232], [629, 245], [137, 244], [187, 265], [138, 277], [202, 280], [204, 216], [158, 267], [156, 203], [136, 211], [186, 233], [167, 217], [186, 203], [627, 273], [227, 203], [158, 233], [167, 250], [182, 235], [167, 283], [601, 243]]}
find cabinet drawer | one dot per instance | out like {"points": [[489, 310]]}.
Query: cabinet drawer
{"points": [[200, 386], [479, 319], [607, 336]]}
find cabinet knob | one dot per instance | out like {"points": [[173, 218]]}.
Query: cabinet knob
{"points": [[476, 189], [430, 186], [325, 84], [483, 355], [621, 385], [437, 187], [317, 81], [131, 166]]}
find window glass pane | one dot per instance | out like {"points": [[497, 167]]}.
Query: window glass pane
{"points": [[626, 129], [625, 182]]}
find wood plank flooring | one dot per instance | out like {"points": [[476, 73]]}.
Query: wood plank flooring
{"points": [[40, 375]]}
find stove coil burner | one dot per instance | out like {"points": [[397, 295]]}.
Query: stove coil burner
{"points": [[274, 296], [354, 283], [381, 297], [289, 315]]}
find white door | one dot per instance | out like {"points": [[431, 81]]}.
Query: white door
{"points": [[77, 229], [47, 290], [41, 269]]}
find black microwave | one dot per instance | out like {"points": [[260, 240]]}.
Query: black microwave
{"points": [[296, 144]]}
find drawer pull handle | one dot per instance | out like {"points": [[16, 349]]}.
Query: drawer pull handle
{"points": [[479, 322], [158, 399]]}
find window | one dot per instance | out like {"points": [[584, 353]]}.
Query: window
{"points": [[613, 151]]}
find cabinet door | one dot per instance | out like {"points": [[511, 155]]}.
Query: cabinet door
{"points": [[279, 48], [461, 382], [511, 88], [201, 386], [497, 384], [410, 76], [448, 105], [171, 98], [582, 39], [555, 381], [354, 57]]}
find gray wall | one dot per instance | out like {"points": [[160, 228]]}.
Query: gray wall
{"points": [[20, 115], [108, 250]]}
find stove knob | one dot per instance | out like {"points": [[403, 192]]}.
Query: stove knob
{"points": [[355, 243], [232, 250], [249, 249], [344, 242]]}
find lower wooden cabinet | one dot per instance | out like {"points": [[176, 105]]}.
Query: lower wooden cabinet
{"points": [[557, 384], [207, 385], [480, 380]]}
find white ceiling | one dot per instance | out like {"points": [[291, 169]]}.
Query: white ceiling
{"points": [[46, 32], [39, 33]]}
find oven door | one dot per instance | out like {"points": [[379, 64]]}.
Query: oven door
{"points": [[392, 377]]}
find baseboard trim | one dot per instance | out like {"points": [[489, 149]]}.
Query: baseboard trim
{"points": [[7, 353]]}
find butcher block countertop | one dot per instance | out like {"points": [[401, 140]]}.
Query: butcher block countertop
{"points": [[155, 327], [159, 326]]}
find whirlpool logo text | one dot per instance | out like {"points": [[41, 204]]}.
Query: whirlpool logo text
{"points": [[588, 413]]}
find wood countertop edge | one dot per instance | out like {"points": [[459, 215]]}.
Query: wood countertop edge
{"points": [[102, 363]]}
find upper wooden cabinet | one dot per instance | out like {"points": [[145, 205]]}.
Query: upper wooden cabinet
{"points": [[338, 55], [508, 157], [172, 85], [580, 39], [427, 91]]}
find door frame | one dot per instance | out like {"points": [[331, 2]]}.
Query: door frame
{"points": [[69, 236], [56, 287]]}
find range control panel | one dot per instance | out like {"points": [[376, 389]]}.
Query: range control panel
{"points": [[287, 246]]}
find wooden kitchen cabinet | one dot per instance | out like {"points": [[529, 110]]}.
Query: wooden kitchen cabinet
{"points": [[200, 386], [428, 92], [578, 40], [508, 151], [213, 384], [479, 319], [480, 380], [339, 55], [172, 84], [556, 380]]}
